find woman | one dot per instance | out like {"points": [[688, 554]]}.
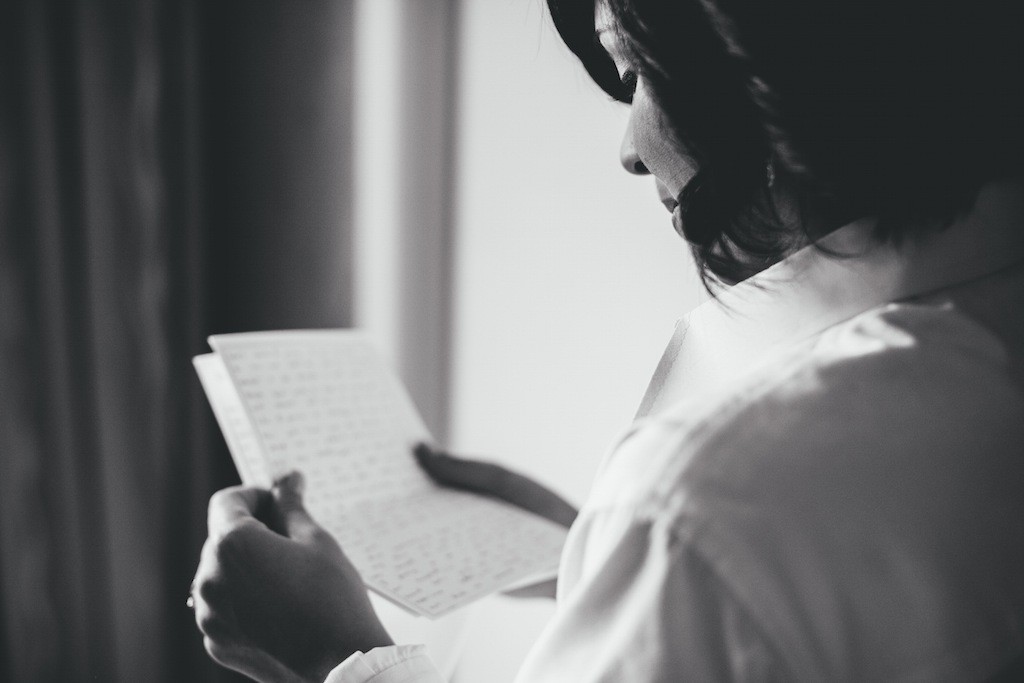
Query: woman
{"points": [[824, 480]]}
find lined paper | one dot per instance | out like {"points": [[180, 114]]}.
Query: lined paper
{"points": [[323, 402]]}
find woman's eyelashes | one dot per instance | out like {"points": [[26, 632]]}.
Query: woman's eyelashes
{"points": [[628, 79]]}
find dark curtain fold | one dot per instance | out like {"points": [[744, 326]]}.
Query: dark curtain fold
{"points": [[168, 169]]}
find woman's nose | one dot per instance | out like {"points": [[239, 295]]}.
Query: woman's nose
{"points": [[628, 157]]}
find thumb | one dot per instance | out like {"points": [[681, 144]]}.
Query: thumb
{"points": [[292, 518]]}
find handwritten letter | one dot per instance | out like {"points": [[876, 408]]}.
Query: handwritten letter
{"points": [[324, 403]]}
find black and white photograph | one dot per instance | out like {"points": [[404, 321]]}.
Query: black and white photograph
{"points": [[511, 341]]}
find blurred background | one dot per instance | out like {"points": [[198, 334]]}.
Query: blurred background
{"points": [[438, 172]]}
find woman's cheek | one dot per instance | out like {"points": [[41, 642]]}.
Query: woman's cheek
{"points": [[654, 143]]}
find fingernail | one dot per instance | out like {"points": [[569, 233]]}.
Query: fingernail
{"points": [[293, 480]]}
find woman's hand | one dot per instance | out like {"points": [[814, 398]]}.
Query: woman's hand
{"points": [[494, 480], [278, 602]]}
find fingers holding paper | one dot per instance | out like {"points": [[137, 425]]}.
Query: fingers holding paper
{"points": [[275, 597], [494, 480], [235, 506]]}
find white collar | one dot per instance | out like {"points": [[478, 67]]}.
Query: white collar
{"points": [[811, 291]]}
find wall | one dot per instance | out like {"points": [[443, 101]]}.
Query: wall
{"points": [[567, 278]]}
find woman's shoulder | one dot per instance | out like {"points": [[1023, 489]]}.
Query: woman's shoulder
{"points": [[867, 482], [906, 419], [907, 406], [908, 384]]}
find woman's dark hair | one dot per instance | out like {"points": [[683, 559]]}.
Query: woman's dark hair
{"points": [[896, 109]]}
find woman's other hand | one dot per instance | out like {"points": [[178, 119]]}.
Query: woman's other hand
{"points": [[493, 480], [274, 595]]}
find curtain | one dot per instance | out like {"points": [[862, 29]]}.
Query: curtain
{"points": [[168, 169]]}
